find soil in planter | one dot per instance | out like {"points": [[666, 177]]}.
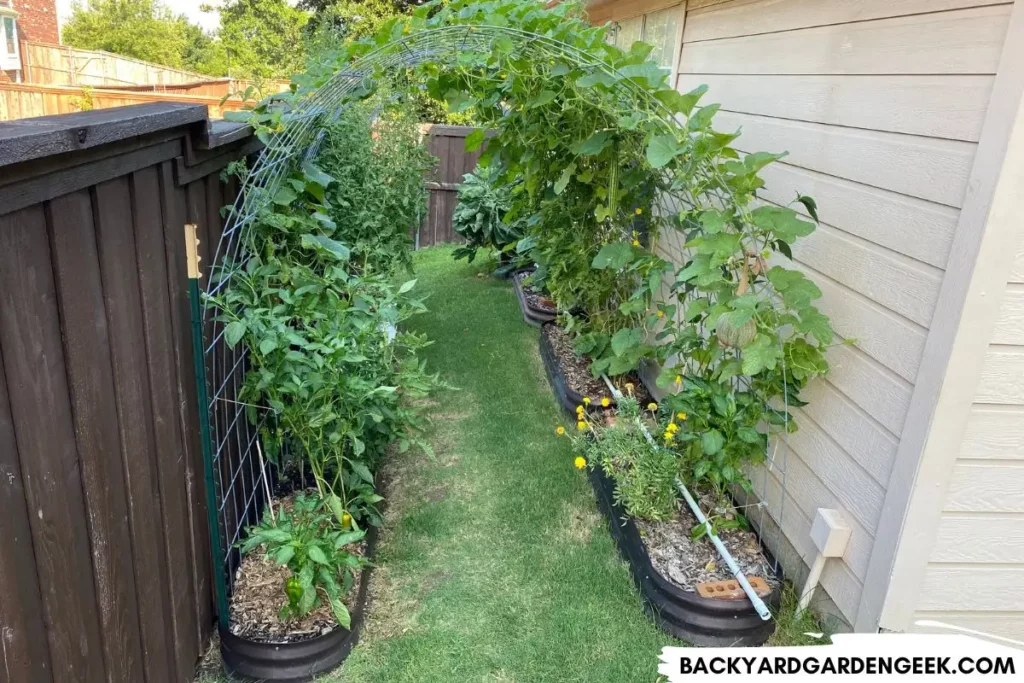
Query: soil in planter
{"points": [[258, 596], [686, 562], [578, 374], [534, 298]]}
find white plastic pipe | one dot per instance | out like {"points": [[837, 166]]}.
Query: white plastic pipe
{"points": [[755, 599]]}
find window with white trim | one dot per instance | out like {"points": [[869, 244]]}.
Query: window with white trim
{"points": [[659, 29]]}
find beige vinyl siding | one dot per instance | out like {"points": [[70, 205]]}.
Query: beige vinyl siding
{"points": [[976, 568], [879, 105]]}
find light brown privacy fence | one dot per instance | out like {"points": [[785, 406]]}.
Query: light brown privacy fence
{"points": [[22, 101], [49, 64]]}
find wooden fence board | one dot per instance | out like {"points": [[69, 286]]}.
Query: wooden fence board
{"points": [[25, 655], [170, 452], [174, 212], [34, 364], [90, 375], [114, 231]]}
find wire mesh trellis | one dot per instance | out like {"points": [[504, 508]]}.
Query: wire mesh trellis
{"points": [[235, 466]]}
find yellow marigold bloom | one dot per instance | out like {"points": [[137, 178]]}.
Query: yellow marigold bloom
{"points": [[579, 410], [652, 406], [560, 430], [636, 243], [580, 462], [581, 425], [586, 400], [672, 427], [605, 402], [681, 416], [669, 436], [638, 211]]}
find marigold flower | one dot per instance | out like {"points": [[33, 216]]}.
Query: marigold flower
{"points": [[580, 462], [581, 425], [579, 410], [672, 427], [652, 406], [669, 436], [638, 211], [560, 430], [586, 400], [681, 416], [605, 402]]}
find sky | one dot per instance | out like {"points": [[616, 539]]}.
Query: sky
{"points": [[190, 8]]}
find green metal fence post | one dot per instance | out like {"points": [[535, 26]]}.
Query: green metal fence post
{"points": [[216, 546]]}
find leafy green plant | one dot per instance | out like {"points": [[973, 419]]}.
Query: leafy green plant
{"points": [[480, 216], [376, 197], [307, 540]]}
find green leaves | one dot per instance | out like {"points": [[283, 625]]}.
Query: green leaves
{"points": [[626, 340], [594, 144], [613, 256], [234, 332], [711, 442], [326, 245], [563, 180], [661, 149], [678, 103], [475, 140]]}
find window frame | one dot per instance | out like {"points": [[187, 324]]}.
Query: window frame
{"points": [[676, 39]]}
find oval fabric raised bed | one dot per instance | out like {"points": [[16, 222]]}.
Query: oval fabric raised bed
{"points": [[534, 315], [302, 661], [697, 620]]}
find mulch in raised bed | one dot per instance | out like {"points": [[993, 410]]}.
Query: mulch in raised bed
{"points": [[578, 374], [534, 298], [258, 595], [687, 562]]}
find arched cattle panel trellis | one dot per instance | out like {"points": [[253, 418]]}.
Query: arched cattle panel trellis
{"points": [[236, 472]]}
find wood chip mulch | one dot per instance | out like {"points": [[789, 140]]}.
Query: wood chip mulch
{"points": [[258, 596], [578, 374], [686, 562], [534, 297]]}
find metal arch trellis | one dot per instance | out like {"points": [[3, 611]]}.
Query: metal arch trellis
{"points": [[235, 469]]}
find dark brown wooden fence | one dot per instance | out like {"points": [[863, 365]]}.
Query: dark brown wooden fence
{"points": [[105, 569], [105, 566], [448, 144]]}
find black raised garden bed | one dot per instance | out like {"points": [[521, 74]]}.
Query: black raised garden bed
{"points": [[533, 312], [568, 397], [301, 661], [688, 616]]}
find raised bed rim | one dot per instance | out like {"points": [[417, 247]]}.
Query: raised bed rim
{"points": [[697, 620]]}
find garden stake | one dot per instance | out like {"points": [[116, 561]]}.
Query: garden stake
{"points": [[194, 273], [755, 599]]}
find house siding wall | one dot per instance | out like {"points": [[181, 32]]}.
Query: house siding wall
{"points": [[880, 105], [975, 572]]}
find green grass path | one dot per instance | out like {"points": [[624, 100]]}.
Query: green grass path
{"points": [[495, 563]]}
